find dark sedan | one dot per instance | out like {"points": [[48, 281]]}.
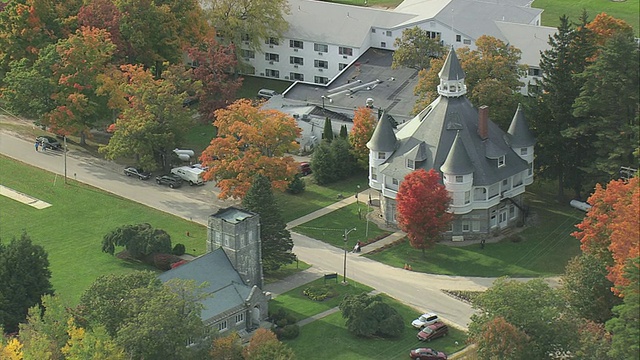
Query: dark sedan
{"points": [[427, 354], [433, 331], [48, 142], [137, 172]]}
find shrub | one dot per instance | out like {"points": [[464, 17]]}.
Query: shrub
{"points": [[288, 332], [178, 250], [297, 185], [319, 293]]}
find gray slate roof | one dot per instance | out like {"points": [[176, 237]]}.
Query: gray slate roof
{"points": [[438, 126], [383, 138], [337, 24], [530, 39], [224, 284], [451, 70], [521, 136], [463, 15], [458, 161]]}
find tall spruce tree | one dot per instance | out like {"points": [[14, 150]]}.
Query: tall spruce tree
{"points": [[341, 154], [608, 103], [561, 152], [276, 239]]}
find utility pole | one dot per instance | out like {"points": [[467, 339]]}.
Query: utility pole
{"points": [[65, 158]]}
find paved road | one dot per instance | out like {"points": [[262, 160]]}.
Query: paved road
{"points": [[422, 291]]}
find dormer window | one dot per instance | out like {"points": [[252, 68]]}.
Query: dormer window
{"points": [[411, 164], [524, 151], [382, 156], [459, 178], [501, 161]]}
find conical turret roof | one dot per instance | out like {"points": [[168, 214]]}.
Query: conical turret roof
{"points": [[458, 161], [521, 136], [383, 138], [451, 70]]}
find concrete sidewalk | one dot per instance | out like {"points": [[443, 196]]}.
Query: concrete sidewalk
{"points": [[325, 210]]}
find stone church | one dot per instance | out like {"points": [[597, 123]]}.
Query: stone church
{"points": [[484, 169], [232, 272]]}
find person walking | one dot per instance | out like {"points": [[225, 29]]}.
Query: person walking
{"points": [[37, 145]]}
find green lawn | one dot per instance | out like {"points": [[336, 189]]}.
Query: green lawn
{"points": [[330, 228], [545, 250], [627, 10], [300, 306], [199, 137], [316, 197], [71, 230], [328, 336], [285, 271], [251, 85]]}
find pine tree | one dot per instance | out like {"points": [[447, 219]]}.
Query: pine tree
{"points": [[344, 132], [341, 154], [609, 104], [561, 150], [327, 132], [322, 164], [276, 239]]}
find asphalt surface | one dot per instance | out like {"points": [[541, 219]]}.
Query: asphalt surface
{"points": [[421, 291]]}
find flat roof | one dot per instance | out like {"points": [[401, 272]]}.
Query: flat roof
{"points": [[370, 77]]}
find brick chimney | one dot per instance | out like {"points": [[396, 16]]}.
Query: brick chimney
{"points": [[483, 122]]}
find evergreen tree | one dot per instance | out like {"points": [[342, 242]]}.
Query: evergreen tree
{"points": [[561, 150], [24, 278], [341, 154], [344, 132], [322, 164], [297, 185], [276, 239], [609, 104], [327, 132]]}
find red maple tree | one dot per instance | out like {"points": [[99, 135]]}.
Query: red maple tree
{"points": [[422, 204], [611, 228]]}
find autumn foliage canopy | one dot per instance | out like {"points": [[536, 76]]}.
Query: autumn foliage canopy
{"points": [[611, 228], [251, 141], [364, 123], [422, 204]]}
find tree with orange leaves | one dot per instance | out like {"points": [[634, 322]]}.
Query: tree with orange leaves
{"points": [[605, 26], [364, 122], [251, 141], [422, 204], [611, 229]]}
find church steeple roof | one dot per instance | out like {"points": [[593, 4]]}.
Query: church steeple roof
{"points": [[521, 136], [383, 138], [451, 70], [458, 161]]}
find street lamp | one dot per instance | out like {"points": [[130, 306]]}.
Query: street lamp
{"points": [[325, 97], [344, 246]]}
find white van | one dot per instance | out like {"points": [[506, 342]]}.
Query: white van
{"points": [[266, 93], [191, 175]]}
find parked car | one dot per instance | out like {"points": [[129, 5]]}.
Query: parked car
{"points": [[189, 174], [49, 142], [427, 354], [433, 331], [266, 94], [424, 320], [200, 166], [133, 171], [174, 181], [305, 168]]}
